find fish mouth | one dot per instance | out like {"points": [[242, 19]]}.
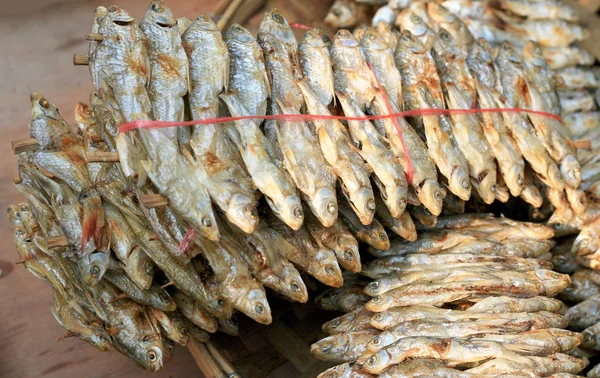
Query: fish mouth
{"points": [[123, 20], [166, 22]]}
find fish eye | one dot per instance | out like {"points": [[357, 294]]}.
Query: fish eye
{"points": [[562, 260], [148, 268], [298, 213], [326, 348], [95, 271], [559, 176], [183, 331], [19, 232], [493, 188], [416, 19], [348, 255], [220, 302], [44, 104], [206, 222], [331, 207], [151, 355], [236, 28], [374, 285], [201, 18], [377, 299], [372, 360], [376, 340], [444, 35], [278, 18], [251, 211], [402, 201], [378, 317], [406, 37], [338, 12], [24, 208], [382, 236], [465, 184], [259, 308], [270, 50], [371, 205], [330, 271], [384, 195], [557, 225], [295, 287], [335, 323], [163, 297], [156, 7], [438, 196]]}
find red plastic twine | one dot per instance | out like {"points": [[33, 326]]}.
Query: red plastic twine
{"points": [[185, 242]]}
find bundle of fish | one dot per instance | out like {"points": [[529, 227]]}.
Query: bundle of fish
{"points": [[90, 230], [472, 297], [552, 24]]}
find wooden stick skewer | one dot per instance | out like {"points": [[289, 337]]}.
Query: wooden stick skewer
{"points": [[25, 145], [203, 359], [153, 200], [57, 241], [223, 21], [221, 360], [94, 37], [102, 157], [17, 180], [583, 144], [220, 7], [81, 60]]}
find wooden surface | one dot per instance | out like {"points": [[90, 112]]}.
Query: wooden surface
{"points": [[37, 52]]}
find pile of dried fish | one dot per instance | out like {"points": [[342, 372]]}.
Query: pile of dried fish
{"points": [[217, 212], [472, 297]]}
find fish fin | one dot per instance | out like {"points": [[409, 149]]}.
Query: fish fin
{"points": [[88, 226], [66, 336], [327, 145], [113, 331], [267, 83], [226, 74]]}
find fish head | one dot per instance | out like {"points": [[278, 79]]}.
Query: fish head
{"points": [[198, 211], [564, 262], [591, 340], [383, 320], [84, 117], [160, 15], [290, 211], [99, 338], [395, 198], [239, 34], [451, 22], [587, 242], [379, 303], [313, 39], [515, 179], [296, 287], [150, 354], [431, 195], [555, 177], [378, 238], [459, 183], [344, 39], [566, 339], [331, 347], [532, 53], [140, 268], [274, 23], [349, 248], [254, 304], [487, 187], [328, 270], [377, 362], [359, 32], [201, 26], [481, 50], [229, 326], [42, 108], [180, 328], [379, 286], [93, 267], [273, 48], [409, 20], [163, 301], [378, 342], [242, 212], [342, 14], [531, 194], [99, 14], [507, 54], [117, 22], [324, 205], [333, 325], [571, 171], [362, 202], [373, 40], [445, 45], [553, 282]]}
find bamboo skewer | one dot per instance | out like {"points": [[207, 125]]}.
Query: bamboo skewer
{"points": [[222, 361], [223, 21], [203, 359], [102, 157], [57, 241], [153, 200], [94, 37], [220, 7], [81, 60], [25, 145]]}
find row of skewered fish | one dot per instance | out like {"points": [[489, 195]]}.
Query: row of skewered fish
{"points": [[445, 305]]}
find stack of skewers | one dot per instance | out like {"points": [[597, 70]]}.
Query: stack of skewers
{"points": [[146, 231]]}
